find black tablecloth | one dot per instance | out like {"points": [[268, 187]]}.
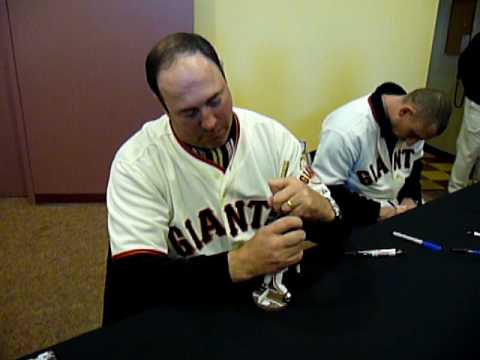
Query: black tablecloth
{"points": [[423, 305]]}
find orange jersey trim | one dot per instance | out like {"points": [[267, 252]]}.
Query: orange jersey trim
{"points": [[138, 252]]}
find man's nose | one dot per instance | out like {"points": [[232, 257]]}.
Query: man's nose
{"points": [[208, 120]]}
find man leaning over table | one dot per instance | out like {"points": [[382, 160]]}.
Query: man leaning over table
{"points": [[189, 186], [370, 150]]}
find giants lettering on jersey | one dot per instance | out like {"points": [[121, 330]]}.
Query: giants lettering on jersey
{"points": [[211, 226], [377, 170]]}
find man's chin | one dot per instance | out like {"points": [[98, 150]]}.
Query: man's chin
{"points": [[213, 143]]}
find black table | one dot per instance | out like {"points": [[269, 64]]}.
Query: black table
{"points": [[424, 305]]}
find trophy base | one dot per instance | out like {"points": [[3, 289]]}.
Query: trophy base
{"points": [[270, 299]]}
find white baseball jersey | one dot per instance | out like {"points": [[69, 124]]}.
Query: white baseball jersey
{"points": [[161, 198], [353, 152]]}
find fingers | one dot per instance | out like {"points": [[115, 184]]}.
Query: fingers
{"points": [[272, 248], [289, 249], [277, 184], [294, 239], [288, 206], [294, 257], [298, 199], [285, 224], [285, 194], [409, 203], [281, 194], [387, 212], [402, 208]]}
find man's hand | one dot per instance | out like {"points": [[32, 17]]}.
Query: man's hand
{"points": [[388, 212], [274, 247], [408, 204], [293, 197]]}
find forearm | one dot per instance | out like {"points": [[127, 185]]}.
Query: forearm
{"points": [[356, 209], [412, 187], [329, 234], [238, 266], [136, 283]]}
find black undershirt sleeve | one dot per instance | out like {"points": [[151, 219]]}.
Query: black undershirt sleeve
{"points": [[412, 187], [356, 209], [327, 235], [139, 282]]}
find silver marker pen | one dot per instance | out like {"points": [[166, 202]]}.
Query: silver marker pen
{"points": [[376, 252]]}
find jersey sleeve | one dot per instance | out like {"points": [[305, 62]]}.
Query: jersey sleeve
{"points": [[334, 158], [139, 275], [137, 212], [418, 151], [334, 161], [296, 151]]}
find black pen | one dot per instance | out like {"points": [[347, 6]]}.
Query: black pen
{"points": [[376, 252], [466, 251], [473, 232]]}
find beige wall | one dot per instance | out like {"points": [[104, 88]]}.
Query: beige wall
{"points": [[298, 60]]}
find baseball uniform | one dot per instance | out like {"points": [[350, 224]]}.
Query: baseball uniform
{"points": [[363, 162], [168, 207], [162, 198]]}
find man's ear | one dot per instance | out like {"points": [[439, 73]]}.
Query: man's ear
{"points": [[406, 110]]}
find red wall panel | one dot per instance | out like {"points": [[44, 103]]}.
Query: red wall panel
{"points": [[12, 182], [81, 77]]}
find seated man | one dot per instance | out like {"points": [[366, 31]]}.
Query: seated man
{"points": [[371, 148], [192, 186]]}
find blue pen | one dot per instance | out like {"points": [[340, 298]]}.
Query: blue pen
{"points": [[466, 251], [420, 242]]}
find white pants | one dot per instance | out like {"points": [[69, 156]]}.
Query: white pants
{"points": [[468, 149]]}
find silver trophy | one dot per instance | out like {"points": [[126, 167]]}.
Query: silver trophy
{"points": [[273, 294]]}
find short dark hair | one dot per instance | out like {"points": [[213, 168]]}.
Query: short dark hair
{"points": [[165, 52], [432, 105]]}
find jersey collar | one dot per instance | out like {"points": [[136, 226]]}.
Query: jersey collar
{"points": [[203, 154], [378, 111]]}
